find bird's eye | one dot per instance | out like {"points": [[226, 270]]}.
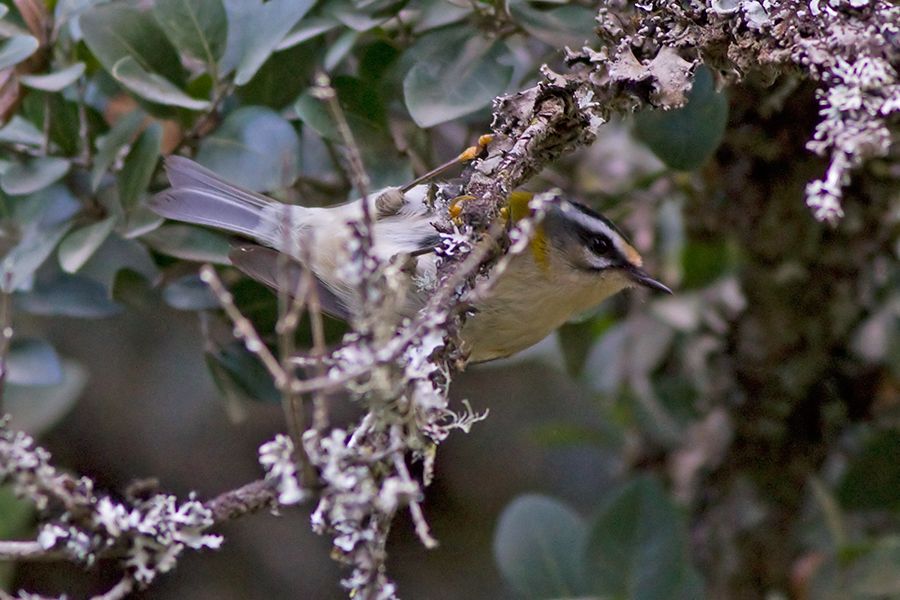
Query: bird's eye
{"points": [[599, 245]]}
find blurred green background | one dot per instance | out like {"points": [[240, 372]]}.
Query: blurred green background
{"points": [[736, 440]]}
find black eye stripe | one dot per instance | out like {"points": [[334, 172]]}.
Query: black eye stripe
{"points": [[598, 243]]}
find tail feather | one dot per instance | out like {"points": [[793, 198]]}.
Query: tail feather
{"points": [[183, 172], [202, 207], [201, 197]]}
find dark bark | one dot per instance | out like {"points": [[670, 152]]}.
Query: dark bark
{"points": [[808, 286]]}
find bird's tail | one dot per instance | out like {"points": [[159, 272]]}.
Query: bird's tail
{"points": [[201, 197]]}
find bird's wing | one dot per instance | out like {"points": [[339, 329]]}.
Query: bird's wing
{"points": [[262, 264]]}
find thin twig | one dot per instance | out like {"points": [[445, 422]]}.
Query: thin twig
{"points": [[415, 509], [289, 308], [399, 343], [29, 550], [227, 506], [118, 591], [222, 92], [339, 168], [320, 406], [324, 91], [360, 181], [6, 334], [83, 126], [45, 139], [244, 500], [286, 330], [243, 327]]}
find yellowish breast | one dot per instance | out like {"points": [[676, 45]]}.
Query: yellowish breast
{"points": [[529, 301]]}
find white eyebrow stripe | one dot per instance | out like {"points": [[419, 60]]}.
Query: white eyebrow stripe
{"points": [[597, 226], [590, 223]]}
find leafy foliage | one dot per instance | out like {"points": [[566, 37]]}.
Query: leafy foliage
{"points": [[89, 112], [634, 547]]}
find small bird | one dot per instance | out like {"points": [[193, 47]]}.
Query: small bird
{"points": [[577, 257]]}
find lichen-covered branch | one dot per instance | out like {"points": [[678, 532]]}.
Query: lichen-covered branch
{"points": [[850, 48], [398, 369], [146, 532]]}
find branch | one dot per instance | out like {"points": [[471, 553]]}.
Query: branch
{"points": [[245, 500], [147, 534], [227, 506]]}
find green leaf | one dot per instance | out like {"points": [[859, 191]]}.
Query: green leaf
{"points": [[36, 408], [568, 25], [190, 293], [21, 131], [33, 361], [24, 259], [15, 522], [455, 74], [198, 27], [367, 117], [45, 210], [189, 243], [42, 219], [33, 175], [538, 546], [109, 146], [235, 400], [704, 261], [314, 114], [440, 14], [132, 290], [139, 166], [255, 29], [875, 574], [637, 544], [605, 434], [117, 254], [305, 30], [119, 29], [349, 14], [269, 87], [65, 137], [871, 574], [575, 341], [15, 514], [16, 49], [236, 371], [363, 104], [68, 296], [685, 138], [259, 304], [80, 245], [872, 480], [339, 49], [254, 148], [140, 220], [54, 82], [153, 87], [376, 62]]}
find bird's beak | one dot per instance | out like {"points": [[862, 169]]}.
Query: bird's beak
{"points": [[640, 277]]}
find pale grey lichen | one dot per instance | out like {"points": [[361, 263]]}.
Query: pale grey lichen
{"points": [[149, 533], [277, 460], [850, 47], [399, 370], [854, 107]]}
